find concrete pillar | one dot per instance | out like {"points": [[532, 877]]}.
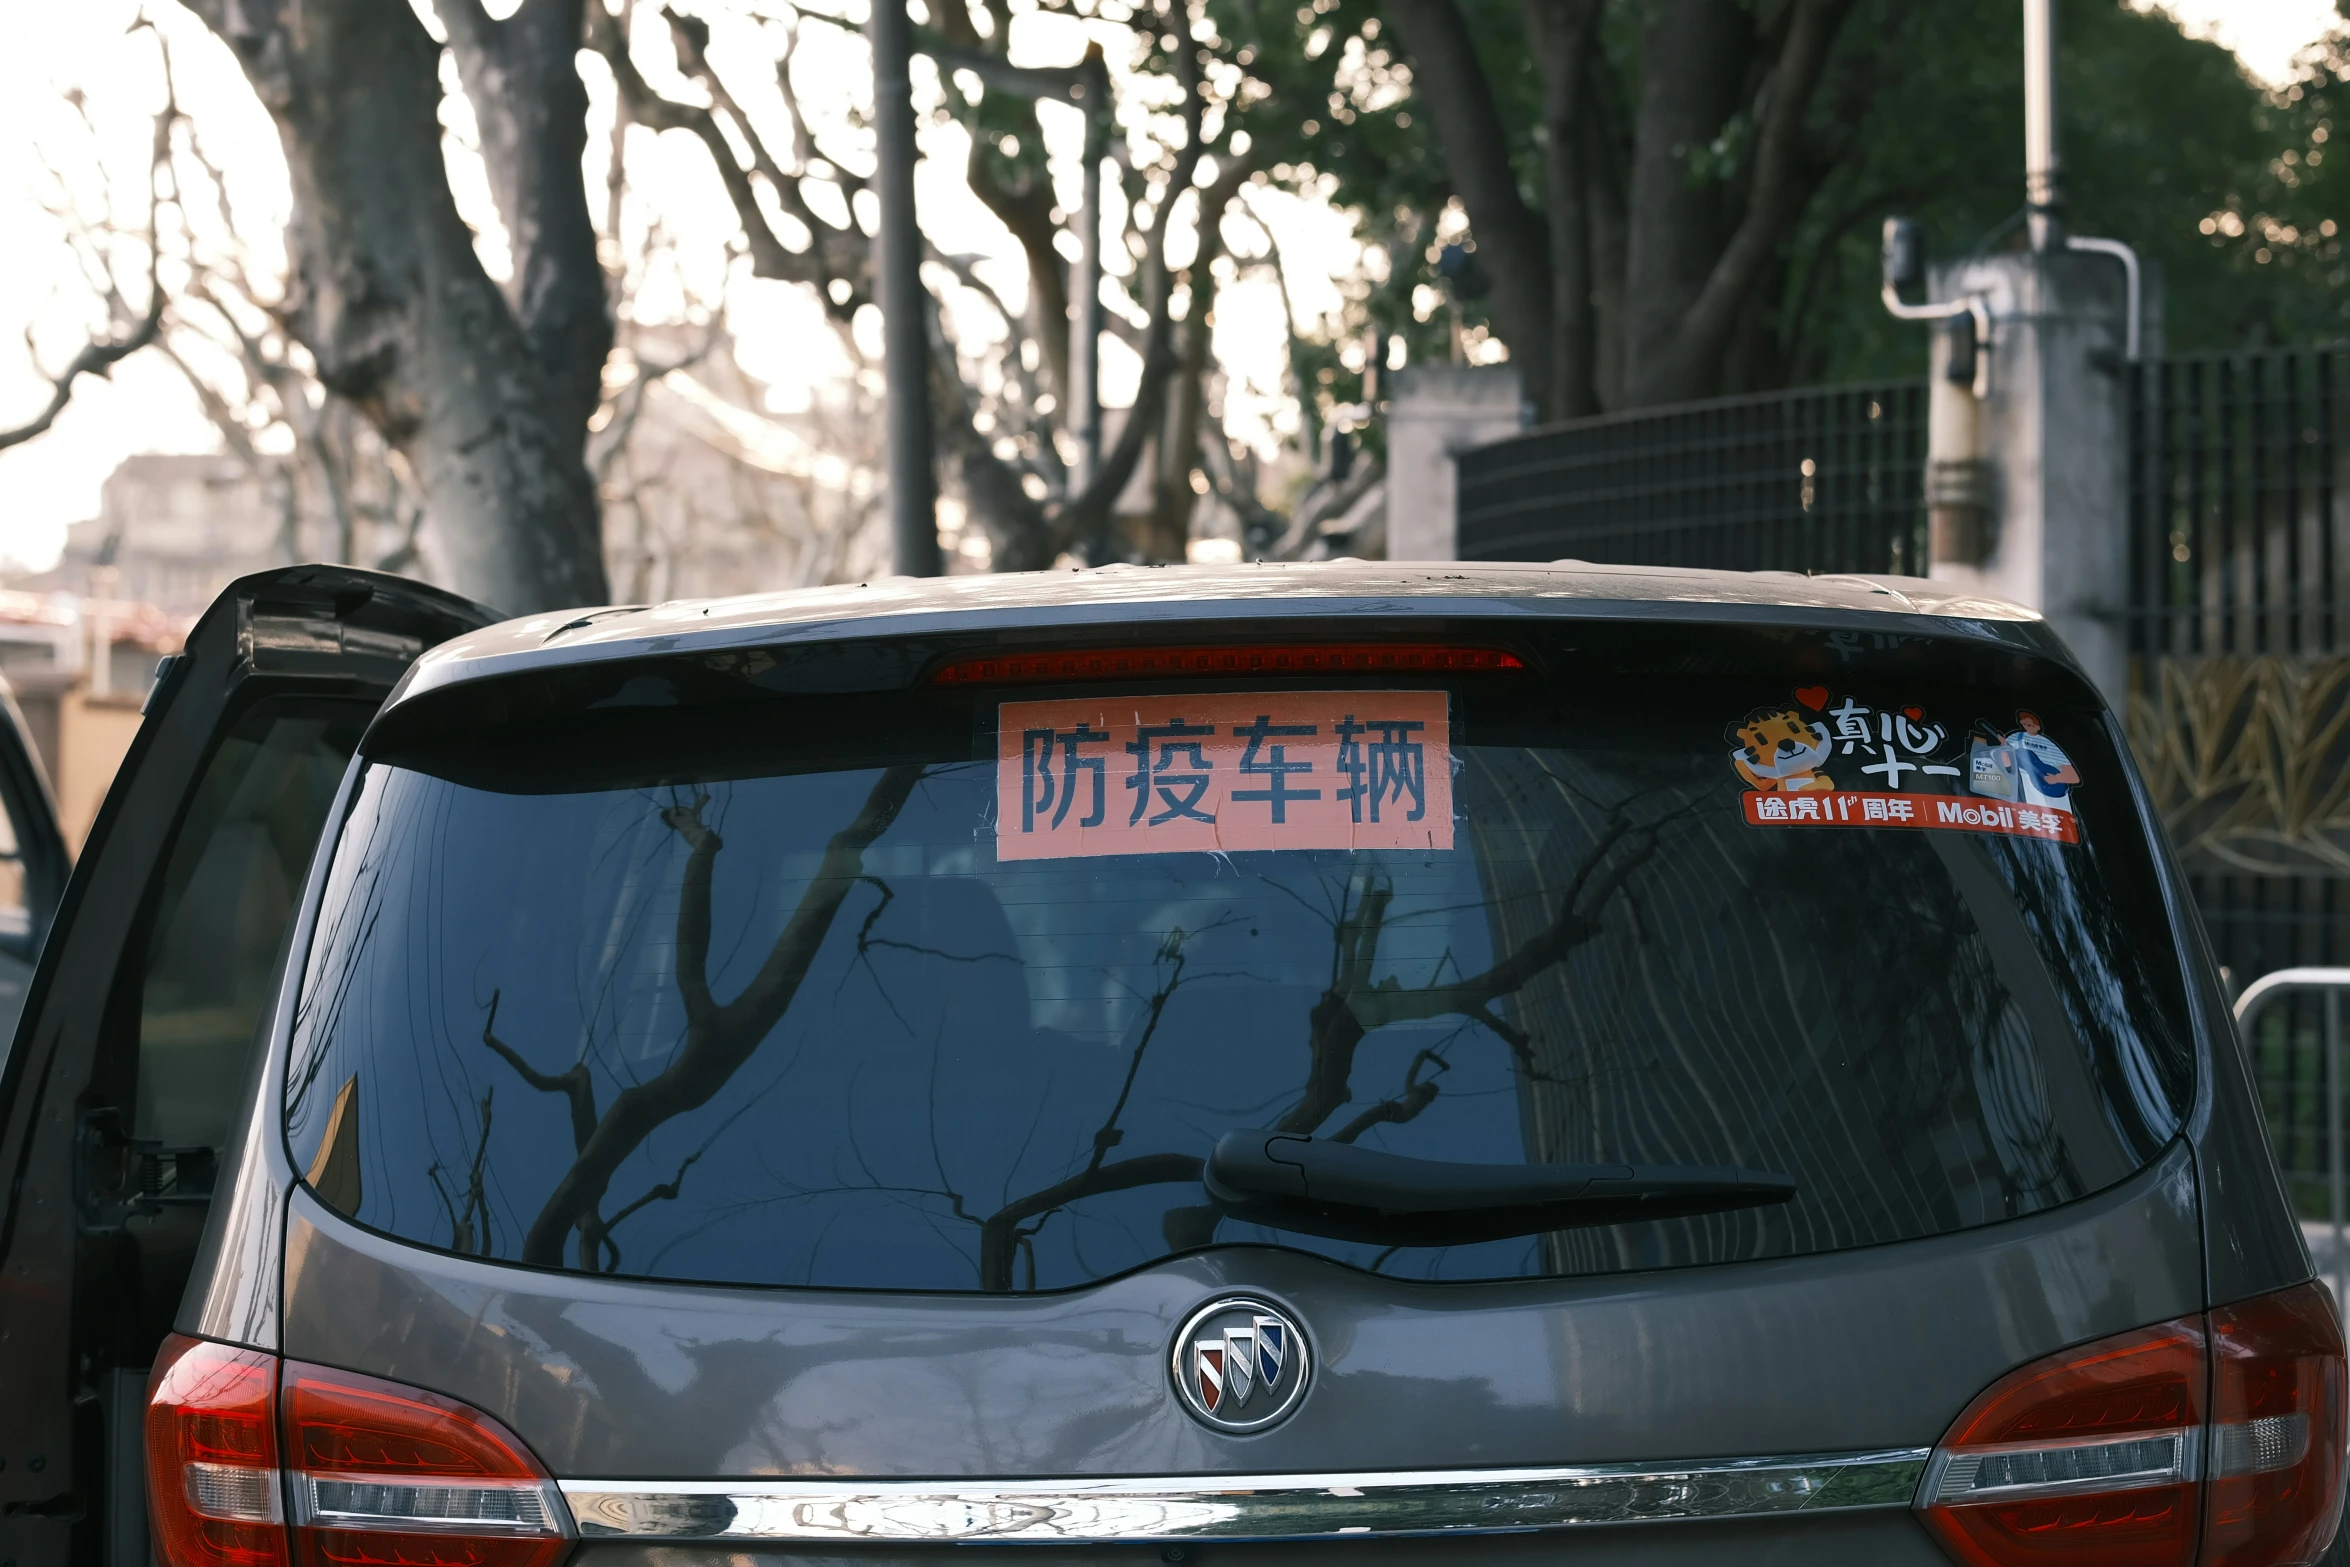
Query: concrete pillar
{"points": [[1435, 412], [2052, 431]]}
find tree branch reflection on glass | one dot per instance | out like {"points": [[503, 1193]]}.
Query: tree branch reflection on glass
{"points": [[800, 1023]]}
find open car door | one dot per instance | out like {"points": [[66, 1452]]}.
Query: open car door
{"points": [[133, 1051]]}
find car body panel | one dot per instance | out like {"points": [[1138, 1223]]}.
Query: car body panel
{"points": [[1886, 1538], [616, 1378]]}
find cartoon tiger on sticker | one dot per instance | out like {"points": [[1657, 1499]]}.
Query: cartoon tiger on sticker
{"points": [[1777, 749]]}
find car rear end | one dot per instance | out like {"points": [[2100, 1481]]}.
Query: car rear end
{"points": [[1465, 1073]]}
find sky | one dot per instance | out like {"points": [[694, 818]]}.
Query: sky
{"points": [[80, 83]]}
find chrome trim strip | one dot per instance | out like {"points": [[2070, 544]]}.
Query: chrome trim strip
{"points": [[1288, 1507]]}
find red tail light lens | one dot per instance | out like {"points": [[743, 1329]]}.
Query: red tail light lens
{"points": [[2276, 1423], [2089, 1458], [212, 1490], [387, 1476], [1277, 659], [371, 1473], [2102, 1455]]}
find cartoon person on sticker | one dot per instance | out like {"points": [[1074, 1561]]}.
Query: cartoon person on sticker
{"points": [[2044, 774], [1778, 750]]}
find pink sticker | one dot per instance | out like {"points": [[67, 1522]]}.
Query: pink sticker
{"points": [[1223, 772]]}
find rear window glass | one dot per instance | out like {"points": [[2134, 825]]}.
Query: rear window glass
{"points": [[956, 989]]}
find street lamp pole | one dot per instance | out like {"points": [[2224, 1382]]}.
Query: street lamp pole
{"points": [[1083, 419], [905, 328]]}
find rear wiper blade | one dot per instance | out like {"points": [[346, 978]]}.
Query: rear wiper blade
{"points": [[1351, 1193]]}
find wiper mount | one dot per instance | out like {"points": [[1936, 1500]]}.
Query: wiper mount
{"points": [[1351, 1193]]}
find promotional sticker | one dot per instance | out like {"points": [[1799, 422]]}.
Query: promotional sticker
{"points": [[1824, 761], [1860, 808], [2022, 765], [1223, 772]]}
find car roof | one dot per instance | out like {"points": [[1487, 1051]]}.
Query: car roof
{"points": [[1149, 601]]}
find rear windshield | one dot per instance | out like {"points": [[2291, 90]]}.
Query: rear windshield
{"points": [[956, 989]]}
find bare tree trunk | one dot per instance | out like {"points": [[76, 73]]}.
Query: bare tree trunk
{"points": [[330, 438], [1562, 32], [393, 304], [1027, 210], [1450, 80], [1778, 186], [522, 78], [1695, 54], [1179, 447], [1604, 186], [1021, 196]]}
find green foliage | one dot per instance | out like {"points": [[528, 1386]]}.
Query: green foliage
{"points": [[1920, 113], [2159, 133], [1324, 109]]}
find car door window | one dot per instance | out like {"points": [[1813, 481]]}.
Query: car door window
{"points": [[228, 891], [16, 910], [32, 870]]}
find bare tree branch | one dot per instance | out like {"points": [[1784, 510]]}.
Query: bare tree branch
{"points": [[720, 1036], [99, 358], [833, 252], [1353, 1006], [573, 1083]]}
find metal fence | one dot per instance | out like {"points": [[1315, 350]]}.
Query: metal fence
{"points": [[2239, 611], [2235, 536], [1814, 479], [2239, 620]]}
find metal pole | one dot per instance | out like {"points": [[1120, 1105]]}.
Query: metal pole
{"points": [[905, 327], [1085, 309], [2043, 168], [2334, 1126]]}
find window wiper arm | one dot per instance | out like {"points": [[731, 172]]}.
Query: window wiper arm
{"points": [[1351, 1193]]}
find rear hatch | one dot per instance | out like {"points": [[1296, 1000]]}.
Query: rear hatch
{"points": [[1223, 1099]]}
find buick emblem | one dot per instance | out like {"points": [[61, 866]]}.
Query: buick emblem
{"points": [[1240, 1364]]}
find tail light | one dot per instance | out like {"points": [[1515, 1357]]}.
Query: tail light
{"points": [[2276, 1422], [2214, 1439], [256, 1462], [212, 1456]]}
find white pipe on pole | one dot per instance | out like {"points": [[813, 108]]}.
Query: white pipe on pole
{"points": [[1083, 418], [2043, 169]]}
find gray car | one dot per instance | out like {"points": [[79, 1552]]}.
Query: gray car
{"points": [[1287, 1063]]}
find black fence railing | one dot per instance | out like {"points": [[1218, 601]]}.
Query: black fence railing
{"points": [[2236, 487], [2259, 924], [1814, 479]]}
